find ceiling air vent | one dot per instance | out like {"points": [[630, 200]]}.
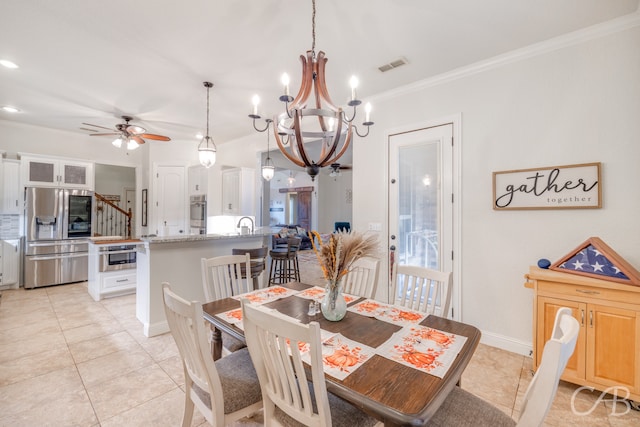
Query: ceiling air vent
{"points": [[393, 64]]}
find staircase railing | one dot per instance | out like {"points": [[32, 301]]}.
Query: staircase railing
{"points": [[111, 220]]}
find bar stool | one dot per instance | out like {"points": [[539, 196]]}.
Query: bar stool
{"points": [[284, 263], [258, 262]]}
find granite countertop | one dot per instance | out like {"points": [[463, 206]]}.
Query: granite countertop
{"points": [[258, 232]]}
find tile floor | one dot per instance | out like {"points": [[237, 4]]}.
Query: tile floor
{"points": [[66, 360]]}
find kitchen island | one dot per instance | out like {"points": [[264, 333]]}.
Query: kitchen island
{"points": [[176, 260]]}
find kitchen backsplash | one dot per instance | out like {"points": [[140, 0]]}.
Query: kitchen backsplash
{"points": [[9, 225]]}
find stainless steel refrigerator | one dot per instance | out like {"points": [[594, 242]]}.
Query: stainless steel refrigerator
{"points": [[58, 225]]}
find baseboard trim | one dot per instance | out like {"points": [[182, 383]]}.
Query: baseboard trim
{"points": [[506, 343], [151, 330]]}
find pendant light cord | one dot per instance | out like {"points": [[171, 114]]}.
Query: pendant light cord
{"points": [[208, 87]]}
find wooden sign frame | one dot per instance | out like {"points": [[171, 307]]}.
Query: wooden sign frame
{"points": [[554, 187]]}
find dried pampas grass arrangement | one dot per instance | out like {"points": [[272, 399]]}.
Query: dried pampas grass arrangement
{"points": [[343, 248]]}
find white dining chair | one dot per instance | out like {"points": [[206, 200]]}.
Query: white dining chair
{"points": [[362, 278], [288, 396], [421, 289], [462, 408], [223, 391], [224, 277]]}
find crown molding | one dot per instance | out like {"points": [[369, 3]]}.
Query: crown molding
{"points": [[570, 39]]}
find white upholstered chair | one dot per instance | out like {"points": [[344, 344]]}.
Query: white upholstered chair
{"points": [[462, 408], [222, 277], [362, 278], [288, 396], [223, 391], [421, 289]]}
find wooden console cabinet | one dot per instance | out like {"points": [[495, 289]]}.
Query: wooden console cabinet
{"points": [[607, 353]]}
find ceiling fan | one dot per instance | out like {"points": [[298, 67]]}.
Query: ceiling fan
{"points": [[126, 133], [335, 169]]}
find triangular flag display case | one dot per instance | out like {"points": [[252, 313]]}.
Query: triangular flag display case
{"points": [[594, 258]]}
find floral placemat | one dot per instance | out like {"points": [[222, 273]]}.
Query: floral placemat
{"points": [[266, 295], [342, 356], [426, 349], [232, 316], [388, 313], [317, 293]]}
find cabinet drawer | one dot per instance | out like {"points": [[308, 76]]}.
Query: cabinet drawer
{"points": [[119, 281], [587, 293]]}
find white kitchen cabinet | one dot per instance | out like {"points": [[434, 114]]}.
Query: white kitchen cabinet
{"points": [[10, 260], [238, 191], [50, 172], [11, 190], [198, 180], [105, 284]]}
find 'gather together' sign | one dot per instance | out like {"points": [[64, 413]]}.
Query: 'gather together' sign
{"points": [[557, 187]]}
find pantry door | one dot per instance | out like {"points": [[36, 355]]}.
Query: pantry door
{"points": [[421, 198]]}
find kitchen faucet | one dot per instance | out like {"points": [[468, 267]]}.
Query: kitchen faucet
{"points": [[245, 217]]}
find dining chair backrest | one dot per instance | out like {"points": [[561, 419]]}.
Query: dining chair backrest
{"points": [[463, 408], [222, 276], [421, 289], [273, 340], [203, 386], [362, 278], [555, 355]]}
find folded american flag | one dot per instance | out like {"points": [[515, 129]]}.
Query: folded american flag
{"points": [[591, 260]]}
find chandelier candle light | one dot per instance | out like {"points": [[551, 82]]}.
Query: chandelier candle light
{"points": [[331, 126], [336, 258], [207, 148]]}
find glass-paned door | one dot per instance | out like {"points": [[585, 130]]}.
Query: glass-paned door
{"points": [[420, 198]]}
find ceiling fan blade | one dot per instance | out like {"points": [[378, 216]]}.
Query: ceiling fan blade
{"points": [[156, 137], [137, 139], [96, 126], [104, 134]]}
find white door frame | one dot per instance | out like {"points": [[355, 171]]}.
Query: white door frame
{"points": [[456, 121]]}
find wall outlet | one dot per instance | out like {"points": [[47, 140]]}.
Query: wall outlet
{"points": [[375, 226]]}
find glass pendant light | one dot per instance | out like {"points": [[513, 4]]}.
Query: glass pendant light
{"points": [[268, 169], [207, 148]]}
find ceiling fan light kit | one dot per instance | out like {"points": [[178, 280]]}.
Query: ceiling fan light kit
{"points": [[331, 125], [207, 148]]}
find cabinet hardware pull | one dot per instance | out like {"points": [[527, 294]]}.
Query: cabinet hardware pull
{"points": [[122, 280], [591, 318], [582, 317], [588, 292]]}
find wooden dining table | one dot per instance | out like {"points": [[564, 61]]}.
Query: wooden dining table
{"points": [[389, 391]]}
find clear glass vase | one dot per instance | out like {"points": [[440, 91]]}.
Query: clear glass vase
{"points": [[333, 306]]}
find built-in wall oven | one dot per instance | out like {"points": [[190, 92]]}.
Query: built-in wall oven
{"points": [[198, 214], [114, 258]]}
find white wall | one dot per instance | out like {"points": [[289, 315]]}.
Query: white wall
{"points": [[333, 202], [577, 104]]}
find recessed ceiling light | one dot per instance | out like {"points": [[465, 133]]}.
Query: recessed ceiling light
{"points": [[8, 63], [10, 109], [199, 136]]}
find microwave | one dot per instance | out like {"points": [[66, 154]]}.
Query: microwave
{"points": [[120, 257]]}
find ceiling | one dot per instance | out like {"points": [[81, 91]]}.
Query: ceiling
{"points": [[94, 61]]}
